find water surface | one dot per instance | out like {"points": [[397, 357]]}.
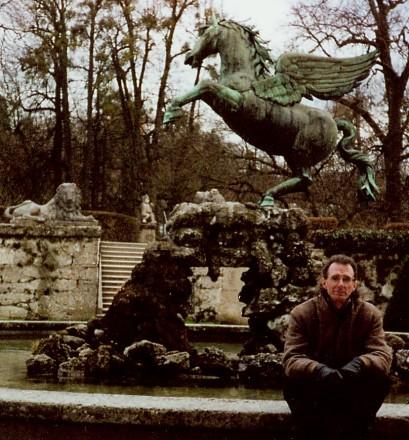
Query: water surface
{"points": [[15, 351]]}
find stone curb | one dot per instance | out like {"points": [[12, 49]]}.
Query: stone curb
{"points": [[198, 331], [171, 412], [143, 410]]}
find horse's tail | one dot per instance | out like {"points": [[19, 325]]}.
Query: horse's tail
{"points": [[367, 186]]}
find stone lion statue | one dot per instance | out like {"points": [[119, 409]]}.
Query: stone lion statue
{"points": [[65, 205], [147, 214], [213, 196]]}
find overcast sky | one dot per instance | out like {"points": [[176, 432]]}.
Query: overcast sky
{"points": [[268, 16]]}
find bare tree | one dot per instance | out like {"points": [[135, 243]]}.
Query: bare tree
{"points": [[381, 24], [86, 30], [46, 60]]}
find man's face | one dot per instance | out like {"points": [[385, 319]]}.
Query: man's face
{"points": [[340, 283]]}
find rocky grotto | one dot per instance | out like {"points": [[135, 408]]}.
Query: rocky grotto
{"points": [[143, 335]]}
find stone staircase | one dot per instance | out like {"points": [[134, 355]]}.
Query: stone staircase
{"points": [[117, 259]]}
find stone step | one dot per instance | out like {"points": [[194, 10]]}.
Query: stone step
{"points": [[119, 271], [123, 243], [118, 260], [113, 283], [119, 265], [123, 248], [116, 271], [109, 247], [109, 296], [115, 253], [109, 288], [123, 265]]}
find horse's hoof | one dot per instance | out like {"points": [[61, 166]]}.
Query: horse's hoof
{"points": [[172, 114], [267, 202]]}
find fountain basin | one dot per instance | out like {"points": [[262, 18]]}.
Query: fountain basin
{"points": [[39, 414], [49, 414]]}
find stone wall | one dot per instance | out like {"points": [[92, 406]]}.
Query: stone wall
{"points": [[49, 271], [217, 301]]}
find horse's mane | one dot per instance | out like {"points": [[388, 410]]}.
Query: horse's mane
{"points": [[260, 52]]}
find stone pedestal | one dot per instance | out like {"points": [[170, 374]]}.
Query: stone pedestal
{"points": [[147, 233], [49, 270]]}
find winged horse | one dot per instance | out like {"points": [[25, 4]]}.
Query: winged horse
{"points": [[265, 109]]}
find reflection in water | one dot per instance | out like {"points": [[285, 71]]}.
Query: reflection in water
{"points": [[14, 352]]}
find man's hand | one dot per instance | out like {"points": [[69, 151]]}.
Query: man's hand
{"points": [[329, 377], [352, 369]]}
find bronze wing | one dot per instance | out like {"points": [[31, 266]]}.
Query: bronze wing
{"points": [[302, 75]]}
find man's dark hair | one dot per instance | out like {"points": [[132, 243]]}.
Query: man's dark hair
{"points": [[340, 259]]}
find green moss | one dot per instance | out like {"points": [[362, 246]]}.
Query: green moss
{"points": [[370, 242]]}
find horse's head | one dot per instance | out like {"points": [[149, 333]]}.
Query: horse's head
{"points": [[206, 44]]}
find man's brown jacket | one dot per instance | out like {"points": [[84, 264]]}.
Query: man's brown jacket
{"points": [[319, 333]]}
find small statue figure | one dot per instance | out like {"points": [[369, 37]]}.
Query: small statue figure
{"points": [[147, 214], [65, 206], [213, 196]]}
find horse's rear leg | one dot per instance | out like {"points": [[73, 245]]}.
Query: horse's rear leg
{"points": [[300, 182]]}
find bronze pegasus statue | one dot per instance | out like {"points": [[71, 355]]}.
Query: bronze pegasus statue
{"points": [[266, 111]]}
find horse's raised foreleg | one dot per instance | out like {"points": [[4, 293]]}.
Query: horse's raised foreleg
{"points": [[207, 91], [300, 182]]}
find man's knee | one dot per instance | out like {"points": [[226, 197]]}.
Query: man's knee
{"points": [[368, 395], [303, 397]]}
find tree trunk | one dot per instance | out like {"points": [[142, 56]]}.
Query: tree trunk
{"points": [[56, 153], [88, 182], [393, 192], [66, 117]]}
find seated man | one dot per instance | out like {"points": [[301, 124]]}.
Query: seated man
{"points": [[336, 361]]}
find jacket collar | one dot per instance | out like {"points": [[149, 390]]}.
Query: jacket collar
{"points": [[345, 308]]}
